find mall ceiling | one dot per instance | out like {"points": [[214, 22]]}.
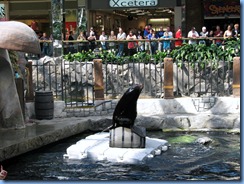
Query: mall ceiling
{"points": [[40, 9], [149, 13]]}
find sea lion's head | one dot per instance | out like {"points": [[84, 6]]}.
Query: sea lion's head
{"points": [[125, 112]]}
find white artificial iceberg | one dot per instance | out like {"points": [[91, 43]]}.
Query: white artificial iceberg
{"points": [[97, 147]]}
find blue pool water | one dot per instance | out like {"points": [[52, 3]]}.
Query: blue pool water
{"points": [[219, 160]]}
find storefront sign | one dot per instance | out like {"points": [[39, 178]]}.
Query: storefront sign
{"points": [[132, 3], [221, 8]]}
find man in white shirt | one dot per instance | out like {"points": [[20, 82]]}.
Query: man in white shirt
{"points": [[103, 37], [193, 34], [121, 36]]}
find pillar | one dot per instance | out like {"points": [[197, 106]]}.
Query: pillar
{"points": [[57, 26], [236, 77], [177, 17], [4, 11], [168, 78], [98, 77]]}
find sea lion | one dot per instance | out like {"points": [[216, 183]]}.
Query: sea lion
{"points": [[125, 112]]}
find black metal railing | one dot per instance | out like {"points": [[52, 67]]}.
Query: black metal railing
{"points": [[70, 82], [73, 82]]}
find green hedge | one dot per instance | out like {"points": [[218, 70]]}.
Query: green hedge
{"points": [[187, 52]]}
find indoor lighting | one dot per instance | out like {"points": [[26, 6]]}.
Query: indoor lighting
{"points": [[159, 20]]}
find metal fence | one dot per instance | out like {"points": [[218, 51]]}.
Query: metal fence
{"points": [[209, 80], [70, 82], [73, 82]]}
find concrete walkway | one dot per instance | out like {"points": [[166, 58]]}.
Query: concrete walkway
{"points": [[183, 114]]}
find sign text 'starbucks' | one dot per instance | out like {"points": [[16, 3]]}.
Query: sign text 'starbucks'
{"points": [[132, 3]]}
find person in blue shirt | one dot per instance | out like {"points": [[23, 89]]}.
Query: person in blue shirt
{"points": [[166, 43], [145, 35], [153, 42], [159, 34]]}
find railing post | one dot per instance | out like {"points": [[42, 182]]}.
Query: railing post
{"points": [[30, 93], [236, 77], [98, 77], [168, 78]]}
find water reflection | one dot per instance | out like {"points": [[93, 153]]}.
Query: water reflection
{"points": [[219, 160]]}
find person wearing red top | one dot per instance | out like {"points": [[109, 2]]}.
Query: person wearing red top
{"points": [[218, 33], [178, 34]]}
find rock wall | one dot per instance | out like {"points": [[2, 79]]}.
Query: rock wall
{"points": [[76, 78], [10, 110]]}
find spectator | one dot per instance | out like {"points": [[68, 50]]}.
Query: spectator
{"points": [[160, 34], [141, 44], [121, 36], [103, 37], [178, 35], [210, 35], [170, 33], [236, 31], [131, 44], [91, 32], [203, 34], [145, 35], [153, 42], [218, 33], [81, 45], [112, 36], [71, 45], [45, 45], [92, 41], [193, 34], [166, 43], [228, 33]]}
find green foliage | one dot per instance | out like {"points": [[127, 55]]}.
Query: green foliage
{"points": [[80, 56], [13, 56], [141, 57], [109, 56], [192, 53], [205, 54]]}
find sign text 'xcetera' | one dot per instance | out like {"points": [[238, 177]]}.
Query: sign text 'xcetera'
{"points": [[132, 3]]}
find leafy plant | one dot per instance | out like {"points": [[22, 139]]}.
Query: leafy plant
{"points": [[206, 54], [191, 53], [141, 57]]}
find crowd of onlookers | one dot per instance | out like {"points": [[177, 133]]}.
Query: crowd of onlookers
{"points": [[146, 40]]}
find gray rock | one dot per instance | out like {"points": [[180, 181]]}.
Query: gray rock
{"points": [[204, 140]]}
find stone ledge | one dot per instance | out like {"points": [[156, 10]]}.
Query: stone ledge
{"points": [[189, 122]]}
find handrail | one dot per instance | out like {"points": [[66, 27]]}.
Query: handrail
{"points": [[137, 40]]}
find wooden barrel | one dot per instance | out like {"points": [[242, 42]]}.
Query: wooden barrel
{"points": [[122, 137], [44, 106]]}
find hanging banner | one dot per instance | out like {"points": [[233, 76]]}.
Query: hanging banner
{"points": [[221, 8]]}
